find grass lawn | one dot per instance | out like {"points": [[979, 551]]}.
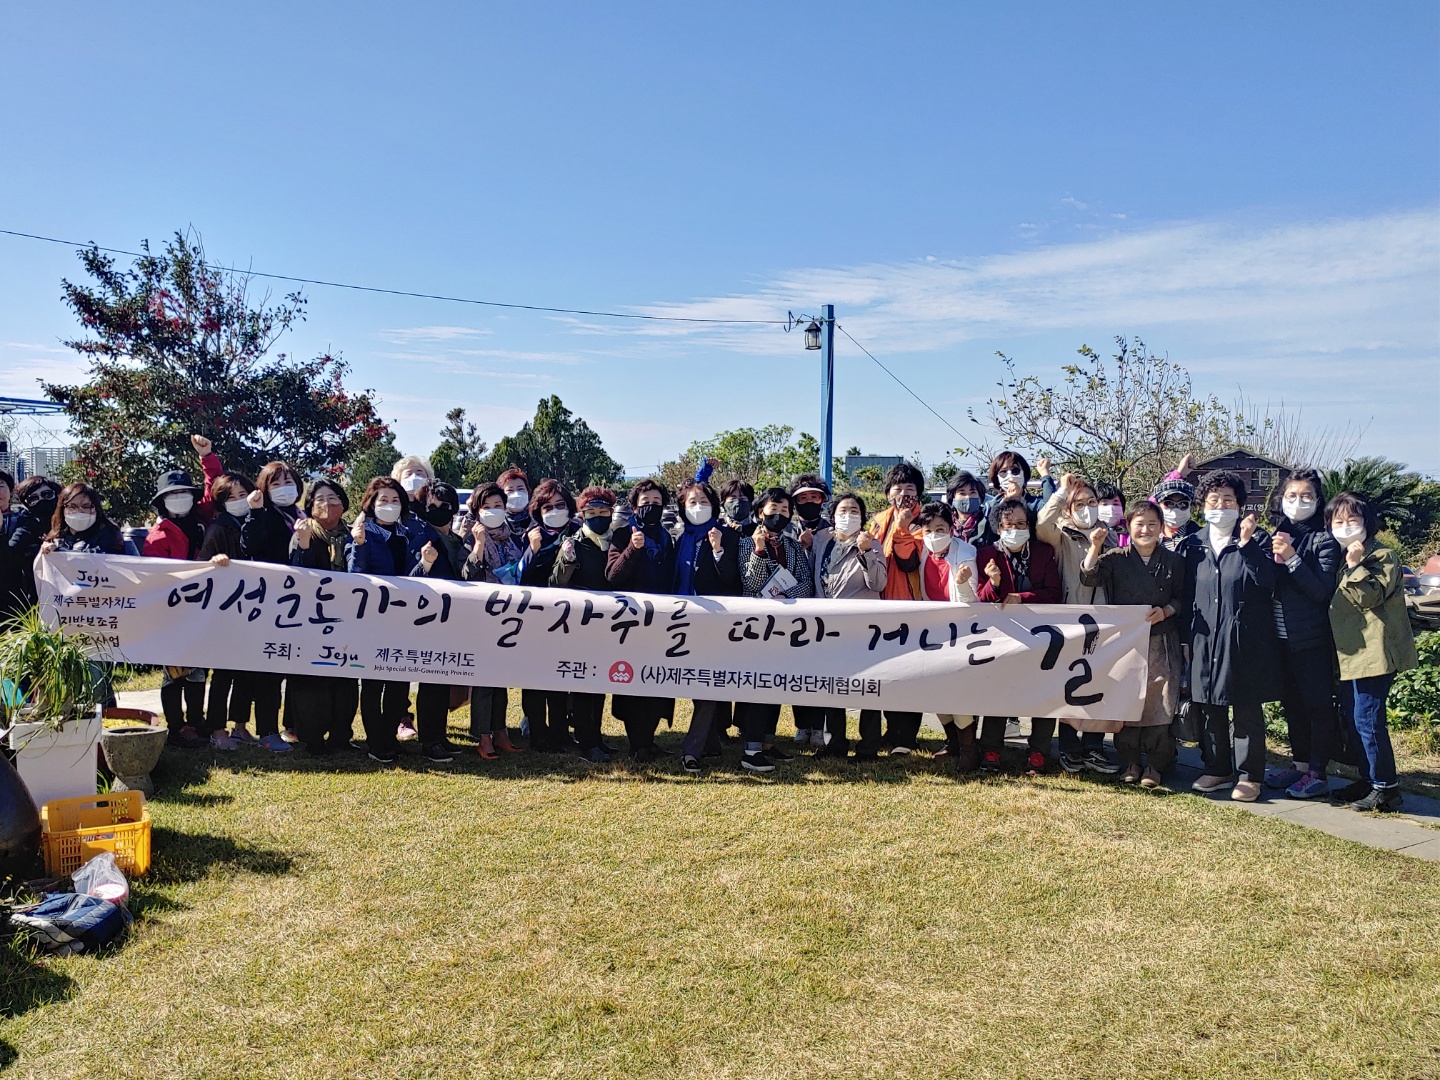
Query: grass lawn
{"points": [[541, 917]]}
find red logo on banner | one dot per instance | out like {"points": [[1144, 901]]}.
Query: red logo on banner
{"points": [[620, 671]]}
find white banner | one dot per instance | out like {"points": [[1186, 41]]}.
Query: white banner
{"points": [[1047, 660]]}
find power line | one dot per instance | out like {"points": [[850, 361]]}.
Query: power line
{"points": [[901, 381], [419, 295]]}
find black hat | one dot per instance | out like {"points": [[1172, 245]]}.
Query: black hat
{"points": [[176, 480]]}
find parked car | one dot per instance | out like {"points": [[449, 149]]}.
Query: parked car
{"points": [[1422, 595]]}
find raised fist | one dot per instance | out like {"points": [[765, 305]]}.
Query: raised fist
{"points": [[1247, 528], [202, 445]]}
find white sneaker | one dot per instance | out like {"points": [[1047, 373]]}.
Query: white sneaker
{"points": [[802, 736]]}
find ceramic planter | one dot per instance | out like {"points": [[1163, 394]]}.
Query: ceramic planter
{"points": [[132, 750], [57, 764]]}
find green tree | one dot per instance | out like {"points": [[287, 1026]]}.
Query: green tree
{"points": [[556, 444], [176, 346], [457, 459], [942, 473], [1125, 420], [1387, 485], [375, 460]]}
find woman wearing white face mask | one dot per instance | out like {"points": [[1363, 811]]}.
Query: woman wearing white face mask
{"points": [[382, 543], [183, 509], [1009, 477], [1016, 569], [1234, 655], [1373, 643], [552, 509], [266, 533], [413, 472], [516, 486], [1067, 522], [80, 524], [1111, 511], [273, 514], [707, 563], [231, 692], [1307, 562], [494, 558]]}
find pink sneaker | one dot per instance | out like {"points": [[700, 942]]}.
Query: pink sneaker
{"points": [[219, 740], [406, 733]]}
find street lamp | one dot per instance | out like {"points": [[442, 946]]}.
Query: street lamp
{"points": [[820, 337]]}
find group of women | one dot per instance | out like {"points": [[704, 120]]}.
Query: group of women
{"points": [[1310, 614]]}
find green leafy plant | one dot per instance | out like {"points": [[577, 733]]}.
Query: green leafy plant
{"points": [[48, 676], [1415, 694]]}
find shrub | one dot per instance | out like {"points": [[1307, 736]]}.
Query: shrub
{"points": [[1415, 695]]}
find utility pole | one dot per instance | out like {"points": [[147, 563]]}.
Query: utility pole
{"points": [[827, 394]]}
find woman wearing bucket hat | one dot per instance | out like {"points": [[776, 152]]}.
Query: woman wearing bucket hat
{"points": [[183, 511], [1175, 496], [183, 508]]}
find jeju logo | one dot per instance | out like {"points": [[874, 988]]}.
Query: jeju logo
{"points": [[621, 672]]}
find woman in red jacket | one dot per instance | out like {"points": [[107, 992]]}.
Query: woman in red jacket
{"points": [[1016, 570], [184, 510]]}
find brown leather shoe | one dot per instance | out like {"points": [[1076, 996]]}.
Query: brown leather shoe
{"points": [[502, 742], [487, 748], [1132, 774], [1150, 778]]}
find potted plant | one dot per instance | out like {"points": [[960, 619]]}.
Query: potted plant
{"points": [[50, 701]]}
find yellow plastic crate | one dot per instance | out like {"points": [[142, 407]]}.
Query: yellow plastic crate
{"points": [[75, 830]]}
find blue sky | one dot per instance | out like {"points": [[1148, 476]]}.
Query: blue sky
{"points": [[1251, 188]]}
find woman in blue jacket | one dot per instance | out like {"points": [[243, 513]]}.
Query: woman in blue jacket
{"points": [[382, 542]]}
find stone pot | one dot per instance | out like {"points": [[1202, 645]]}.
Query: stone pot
{"points": [[131, 751]]}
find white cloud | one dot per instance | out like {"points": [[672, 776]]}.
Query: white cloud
{"points": [[414, 334], [1319, 288]]}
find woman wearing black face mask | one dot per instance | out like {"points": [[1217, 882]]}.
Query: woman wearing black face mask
{"points": [[38, 497], [442, 556], [580, 564], [737, 511], [773, 565], [642, 559], [808, 494]]}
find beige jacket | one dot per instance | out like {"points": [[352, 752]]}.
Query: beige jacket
{"points": [[1070, 544]]}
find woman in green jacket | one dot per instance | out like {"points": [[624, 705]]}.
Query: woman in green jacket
{"points": [[1373, 642]]}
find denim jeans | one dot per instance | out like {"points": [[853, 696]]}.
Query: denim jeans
{"points": [[1363, 702]]}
